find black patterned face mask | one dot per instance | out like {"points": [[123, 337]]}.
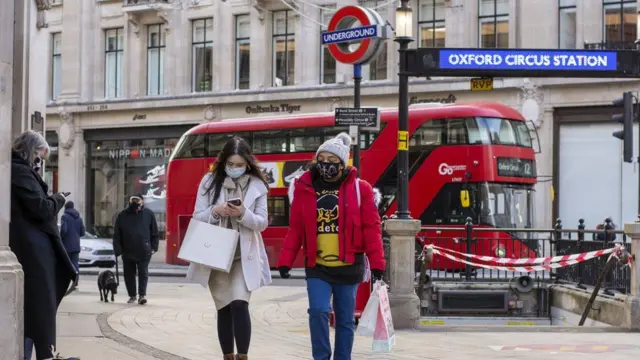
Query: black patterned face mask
{"points": [[327, 170], [37, 163]]}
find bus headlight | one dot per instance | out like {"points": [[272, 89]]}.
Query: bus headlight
{"points": [[501, 252]]}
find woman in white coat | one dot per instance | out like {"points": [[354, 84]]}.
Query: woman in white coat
{"points": [[236, 174]]}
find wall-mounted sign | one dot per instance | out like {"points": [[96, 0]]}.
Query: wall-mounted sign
{"points": [[514, 167], [281, 108], [97, 107], [140, 153], [528, 60], [139, 117], [451, 99]]}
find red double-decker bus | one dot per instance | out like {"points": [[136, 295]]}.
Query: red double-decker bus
{"points": [[472, 160]]}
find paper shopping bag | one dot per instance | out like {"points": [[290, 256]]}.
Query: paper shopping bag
{"points": [[369, 317], [209, 245], [384, 337]]}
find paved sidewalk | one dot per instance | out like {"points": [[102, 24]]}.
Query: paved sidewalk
{"points": [[180, 320], [166, 270]]}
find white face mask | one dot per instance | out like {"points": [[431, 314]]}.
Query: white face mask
{"points": [[234, 172]]}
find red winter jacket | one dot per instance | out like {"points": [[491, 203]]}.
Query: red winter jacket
{"points": [[360, 229]]}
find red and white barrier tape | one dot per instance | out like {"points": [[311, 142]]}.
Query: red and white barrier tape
{"points": [[529, 261], [550, 266]]}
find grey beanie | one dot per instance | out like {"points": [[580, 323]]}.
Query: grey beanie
{"points": [[338, 146]]}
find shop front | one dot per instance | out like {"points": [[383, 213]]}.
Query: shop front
{"points": [[125, 162]]}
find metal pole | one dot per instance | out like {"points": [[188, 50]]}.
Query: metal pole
{"points": [[403, 132], [357, 79]]}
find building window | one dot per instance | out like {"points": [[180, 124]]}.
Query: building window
{"points": [[327, 61], [431, 29], [378, 66], [619, 21], [202, 43], [56, 65], [114, 51], [567, 24], [493, 21], [243, 42], [284, 48], [155, 59]]}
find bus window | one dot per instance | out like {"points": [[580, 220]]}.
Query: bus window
{"points": [[456, 132], [501, 131], [368, 137], [191, 146], [278, 210], [522, 132], [304, 140], [430, 133], [269, 142], [218, 141], [477, 133], [446, 209]]}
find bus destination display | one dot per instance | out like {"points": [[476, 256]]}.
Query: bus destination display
{"points": [[515, 167]]}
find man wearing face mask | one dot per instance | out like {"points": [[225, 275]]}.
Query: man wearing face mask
{"points": [[135, 237], [334, 218]]}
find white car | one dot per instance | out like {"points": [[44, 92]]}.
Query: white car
{"points": [[96, 252]]}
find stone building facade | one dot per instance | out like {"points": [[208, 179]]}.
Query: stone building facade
{"points": [[116, 78]]}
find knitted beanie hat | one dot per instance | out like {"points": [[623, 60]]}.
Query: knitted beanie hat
{"points": [[338, 146]]}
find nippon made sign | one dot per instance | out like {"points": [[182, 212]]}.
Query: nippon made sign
{"points": [[354, 34], [523, 63], [341, 35]]}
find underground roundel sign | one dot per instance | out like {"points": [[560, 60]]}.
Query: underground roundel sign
{"points": [[341, 35]]}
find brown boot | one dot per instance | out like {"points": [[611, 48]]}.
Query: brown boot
{"points": [[230, 357], [242, 357]]}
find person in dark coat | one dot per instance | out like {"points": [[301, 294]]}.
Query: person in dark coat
{"points": [[136, 239], [35, 239], [71, 229]]}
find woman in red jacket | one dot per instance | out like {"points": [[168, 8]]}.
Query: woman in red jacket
{"points": [[335, 220]]}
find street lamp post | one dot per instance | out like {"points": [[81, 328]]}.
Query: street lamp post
{"points": [[403, 28]]}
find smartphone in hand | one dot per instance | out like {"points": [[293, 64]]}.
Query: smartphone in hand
{"points": [[235, 202]]}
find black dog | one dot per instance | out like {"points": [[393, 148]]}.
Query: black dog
{"points": [[107, 283]]}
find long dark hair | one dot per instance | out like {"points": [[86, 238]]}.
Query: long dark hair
{"points": [[235, 146]]}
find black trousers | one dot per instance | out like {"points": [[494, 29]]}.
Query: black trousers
{"points": [[130, 268]]}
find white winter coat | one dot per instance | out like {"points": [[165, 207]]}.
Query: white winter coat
{"points": [[255, 263]]}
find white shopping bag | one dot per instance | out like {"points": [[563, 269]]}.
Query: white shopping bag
{"points": [[384, 336], [209, 245], [369, 317]]}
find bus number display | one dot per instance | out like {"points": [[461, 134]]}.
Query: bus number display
{"points": [[514, 167]]}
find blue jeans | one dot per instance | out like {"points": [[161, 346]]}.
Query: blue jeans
{"points": [[344, 302], [28, 348]]}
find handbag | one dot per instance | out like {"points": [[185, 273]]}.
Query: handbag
{"points": [[209, 245]]}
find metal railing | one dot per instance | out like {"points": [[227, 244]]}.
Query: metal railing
{"points": [[524, 243]]}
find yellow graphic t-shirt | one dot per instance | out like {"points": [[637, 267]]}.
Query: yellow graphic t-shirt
{"points": [[327, 221]]}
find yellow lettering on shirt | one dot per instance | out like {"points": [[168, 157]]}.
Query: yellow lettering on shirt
{"points": [[328, 253]]}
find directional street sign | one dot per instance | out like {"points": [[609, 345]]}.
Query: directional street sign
{"points": [[361, 117]]}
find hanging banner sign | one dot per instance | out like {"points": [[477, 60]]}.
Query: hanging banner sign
{"points": [[523, 63]]}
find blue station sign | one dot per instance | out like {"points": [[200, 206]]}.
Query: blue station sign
{"points": [[523, 63], [348, 35]]}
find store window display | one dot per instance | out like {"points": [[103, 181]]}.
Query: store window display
{"points": [[121, 168]]}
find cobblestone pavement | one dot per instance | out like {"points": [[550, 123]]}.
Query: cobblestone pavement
{"points": [[180, 320]]}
